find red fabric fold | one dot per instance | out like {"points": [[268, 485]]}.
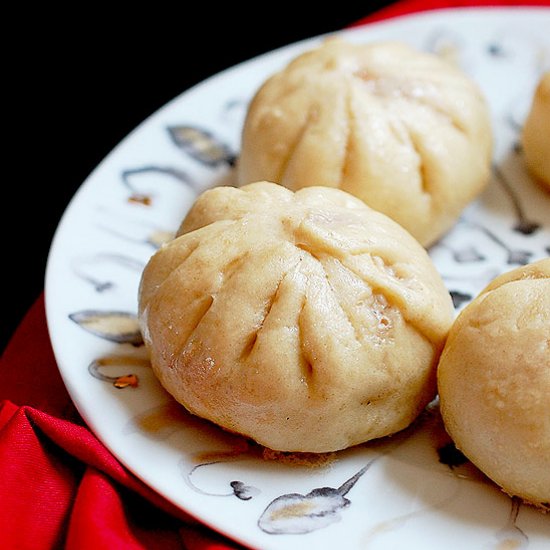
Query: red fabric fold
{"points": [[119, 520], [59, 485], [36, 485]]}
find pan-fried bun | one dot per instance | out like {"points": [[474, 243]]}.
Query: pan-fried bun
{"points": [[405, 131], [494, 382], [305, 321]]}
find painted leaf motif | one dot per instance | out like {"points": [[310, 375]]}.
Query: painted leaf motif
{"points": [[100, 367], [448, 45], [468, 254], [519, 257], [117, 326], [143, 181], [523, 224], [459, 298], [138, 198], [202, 145], [526, 227], [297, 514], [134, 231], [515, 256], [511, 535], [243, 491], [93, 269]]}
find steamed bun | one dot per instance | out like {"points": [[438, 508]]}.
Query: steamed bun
{"points": [[406, 132], [536, 133], [494, 382], [305, 321]]}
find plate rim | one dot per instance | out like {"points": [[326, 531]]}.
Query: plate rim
{"points": [[196, 88]]}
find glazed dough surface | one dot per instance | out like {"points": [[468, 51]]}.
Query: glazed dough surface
{"points": [[405, 131], [494, 382], [305, 321], [536, 133]]}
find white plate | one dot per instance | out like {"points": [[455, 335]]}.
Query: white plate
{"points": [[398, 494]]}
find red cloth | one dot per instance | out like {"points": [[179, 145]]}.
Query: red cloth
{"points": [[410, 6], [59, 486]]}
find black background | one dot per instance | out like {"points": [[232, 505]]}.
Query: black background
{"points": [[78, 82]]}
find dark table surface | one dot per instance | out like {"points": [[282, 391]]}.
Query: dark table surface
{"points": [[85, 82]]}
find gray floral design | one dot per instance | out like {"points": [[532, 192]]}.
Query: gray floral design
{"points": [[117, 326]]}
